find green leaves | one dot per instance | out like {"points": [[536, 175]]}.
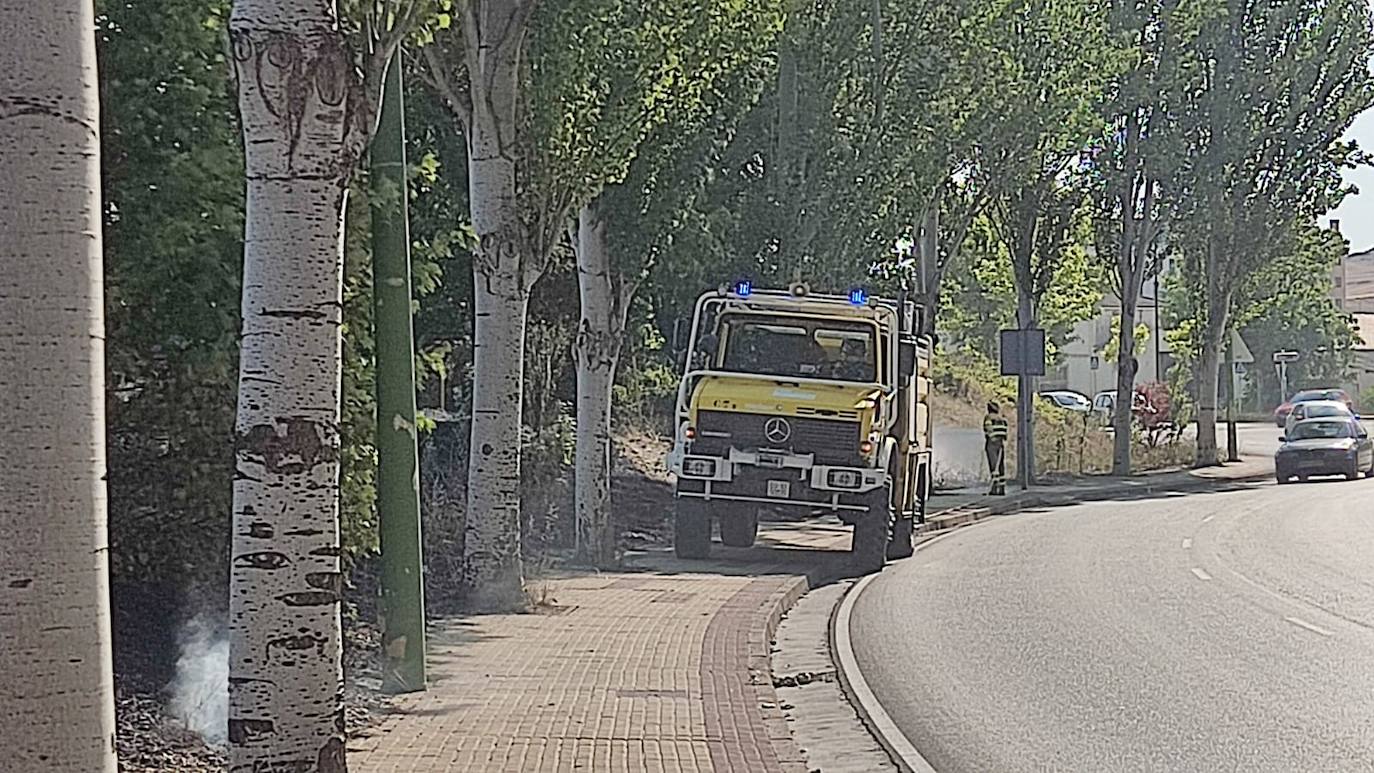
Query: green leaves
{"points": [[606, 74]]}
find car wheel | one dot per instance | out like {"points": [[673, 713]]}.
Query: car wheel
{"points": [[1283, 480], [1303, 478]]}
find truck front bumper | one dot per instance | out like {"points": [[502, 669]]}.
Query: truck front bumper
{"points": [[816, 488]]}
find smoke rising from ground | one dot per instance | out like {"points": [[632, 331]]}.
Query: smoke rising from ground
{"points": [[199, 694]]}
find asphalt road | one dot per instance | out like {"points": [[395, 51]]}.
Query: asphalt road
{"points": [[1206, 632]]}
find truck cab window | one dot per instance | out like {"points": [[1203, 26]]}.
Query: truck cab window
{"points": [[777, 346]]}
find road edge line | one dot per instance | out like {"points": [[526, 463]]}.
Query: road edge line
{"points": [[861, 697]]}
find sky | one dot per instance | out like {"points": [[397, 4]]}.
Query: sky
{"points": [[1356, 213]]}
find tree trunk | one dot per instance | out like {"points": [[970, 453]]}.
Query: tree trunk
{"points": [[786, 150], [597, 348], [504, 269], [1025, 397], [298, 93], [1229, 372], [56, 682], [876, 22], [1218, 303], [1126, 367], [1209, 365]]}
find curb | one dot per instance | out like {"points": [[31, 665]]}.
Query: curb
{"points": [[761, 635], [965, 515], [874, 717]]}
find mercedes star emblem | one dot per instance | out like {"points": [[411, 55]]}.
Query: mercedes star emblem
{"points": [[777, 430]]}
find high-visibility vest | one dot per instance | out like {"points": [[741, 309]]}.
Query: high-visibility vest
{"points": [[994, 428]]}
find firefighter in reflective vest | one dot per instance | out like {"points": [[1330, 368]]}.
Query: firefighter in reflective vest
{"points": [[995, 445]]}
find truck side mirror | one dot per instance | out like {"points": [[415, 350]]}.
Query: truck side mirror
{"points": [[906, 358]]}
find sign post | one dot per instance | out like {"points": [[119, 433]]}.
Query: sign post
{"points": [[1023, 356], [1281, 360]]}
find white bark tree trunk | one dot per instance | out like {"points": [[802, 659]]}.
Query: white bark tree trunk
{"points": [[300, 99], [56, 682], [504, 269], [604, 297]]}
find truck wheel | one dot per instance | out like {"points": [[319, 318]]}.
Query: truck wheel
{"points": [[739, 526], [901, 546], [692, 535], [873, 529]]}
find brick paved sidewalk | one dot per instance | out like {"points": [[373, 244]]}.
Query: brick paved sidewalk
{"points": [[660, 668]]}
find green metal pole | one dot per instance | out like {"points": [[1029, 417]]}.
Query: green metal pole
{"points": [[398, 487]]}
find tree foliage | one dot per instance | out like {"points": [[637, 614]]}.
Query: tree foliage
{"points": [[1288, 305], [1277, 86]]}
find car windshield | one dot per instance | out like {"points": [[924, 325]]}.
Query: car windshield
{"points": [[1310, 395], [797, 347], [1322, 430]]}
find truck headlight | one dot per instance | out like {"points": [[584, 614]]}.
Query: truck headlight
{"points": [[844, 479], [699, 468]]}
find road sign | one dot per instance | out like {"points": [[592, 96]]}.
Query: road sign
{"points": [[1023, 352], [1286, 356]]}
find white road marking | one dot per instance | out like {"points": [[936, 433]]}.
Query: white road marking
{"points": [[1309, 626], [1187, 543], [1208, 518], [1201, 575]]}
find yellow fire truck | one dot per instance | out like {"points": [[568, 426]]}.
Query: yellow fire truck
{"points": [[813, 404]]}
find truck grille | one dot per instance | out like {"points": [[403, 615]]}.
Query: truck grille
{"points": [[833, 442]]}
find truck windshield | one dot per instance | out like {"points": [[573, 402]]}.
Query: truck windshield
{"points": [[836, 350]]}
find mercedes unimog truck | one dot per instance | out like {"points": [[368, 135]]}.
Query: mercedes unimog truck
{"points": [[803, 404]]}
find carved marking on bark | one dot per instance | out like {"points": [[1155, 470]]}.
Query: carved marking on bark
{"points": [[266, 560], [298, 643], [292, 314], [309, 65], [27, 106], [310, 598], [24, 583], [302, 441], [261, 530], [243, 731]]}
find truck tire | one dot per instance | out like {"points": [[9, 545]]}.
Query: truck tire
{"points": [[901, 546], [692, 529], [872, 531], [904, 521], [739, 526]]}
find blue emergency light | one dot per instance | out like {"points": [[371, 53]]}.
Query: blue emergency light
{"points": [[744, 288], [858, 296]]}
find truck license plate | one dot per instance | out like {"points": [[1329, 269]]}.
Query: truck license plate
{"points": [[779, 488]]}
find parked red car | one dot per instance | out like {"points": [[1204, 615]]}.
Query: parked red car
{"points": [[1307, 395]]}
